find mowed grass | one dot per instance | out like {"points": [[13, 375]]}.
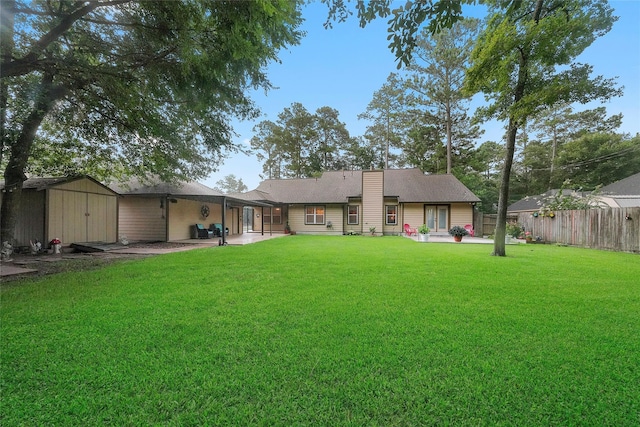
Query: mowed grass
{"points": [[348, 330]]}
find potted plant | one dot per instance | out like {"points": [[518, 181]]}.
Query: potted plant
{"points": [[372, 230], [287, 228], [423, 233], [458, 232], [513, 230]]}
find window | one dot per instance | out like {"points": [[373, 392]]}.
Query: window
{"points": [[273, 216], [353, 214], [314, 215], [392, 215]]}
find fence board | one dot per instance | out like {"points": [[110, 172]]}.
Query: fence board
{"points": [[616, 229]]}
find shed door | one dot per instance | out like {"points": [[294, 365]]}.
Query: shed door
{"points": [[76, 217], [100, 215]]}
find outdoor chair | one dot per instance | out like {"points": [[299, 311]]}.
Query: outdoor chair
{"points": [[469, 228], [217, 229], [203, 233], [409, 231]]}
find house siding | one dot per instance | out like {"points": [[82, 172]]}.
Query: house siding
{"points": [[186, 213], [142, 219], [413, 214], [373, 200], [461, 214], [333, 213]]}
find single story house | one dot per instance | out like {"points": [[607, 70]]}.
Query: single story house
{"points": [[624, 193], [159, 211], [342, 202], [72, 209], [530, 204]]}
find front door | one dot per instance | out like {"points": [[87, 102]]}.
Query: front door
{"points": [[437, 217]]}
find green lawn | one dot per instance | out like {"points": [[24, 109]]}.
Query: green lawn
{"points": [[348, 330]]}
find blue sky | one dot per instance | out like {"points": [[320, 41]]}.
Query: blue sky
{"points": [[342, 68]]}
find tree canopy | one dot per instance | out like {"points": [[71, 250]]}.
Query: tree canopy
{"points": [[523, 63], [150, 87]]}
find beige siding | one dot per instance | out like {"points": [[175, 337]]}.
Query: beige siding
{"points": [[75, 217], [413, 214], [372, 200], [296, 218], [30, 220], [461, 214], [84, 185], [142, 219], [333, 213], [102, 216], [186, 213]]}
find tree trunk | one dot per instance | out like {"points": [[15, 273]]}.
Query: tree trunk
{"points": [[449, 136], [503, 200], [6, 52], [14, 174]]}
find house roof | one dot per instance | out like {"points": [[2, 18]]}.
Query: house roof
{"points": [[533, 203], [629, 186], [408, 185], [186, 190], [529, 203], [155, 187]]}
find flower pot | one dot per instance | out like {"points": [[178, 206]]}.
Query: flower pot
{"points": [[457, 238], [56, 248], [423, 237]]}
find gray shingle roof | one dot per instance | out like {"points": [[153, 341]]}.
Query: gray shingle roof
{"points": [[156, 187], [409, 185], [629, 186], [43, 183]]}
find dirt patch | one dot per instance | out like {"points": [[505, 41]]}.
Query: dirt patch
{"points": [[46, 264]]}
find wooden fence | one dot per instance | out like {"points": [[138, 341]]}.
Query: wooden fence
{"points": [[616, 229], [486, 223]]}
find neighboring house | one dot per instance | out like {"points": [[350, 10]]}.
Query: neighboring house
{"points": [[159, 211], [622, 194], [341, 202], [72, 209], [535, 203]]}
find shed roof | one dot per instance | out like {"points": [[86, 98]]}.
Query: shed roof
{"points": [[44, 183]]}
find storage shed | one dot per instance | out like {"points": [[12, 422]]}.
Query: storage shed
{"points": [[72, 209]]}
